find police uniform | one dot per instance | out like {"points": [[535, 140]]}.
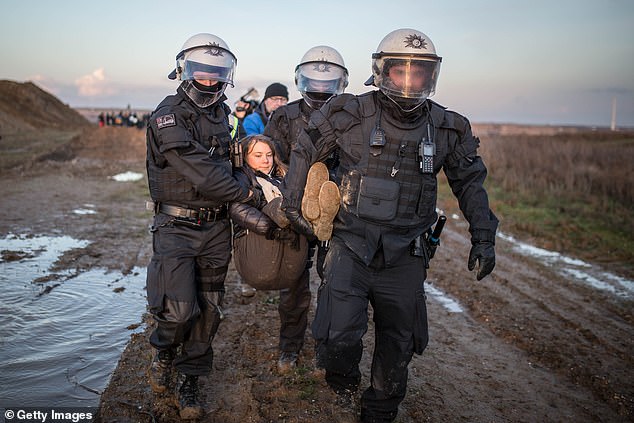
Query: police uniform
{"points": [[284, 127], [190, 181], [387, 203]]}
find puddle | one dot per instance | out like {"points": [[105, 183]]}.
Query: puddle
{"points": [[61, 340], [576, 269]]}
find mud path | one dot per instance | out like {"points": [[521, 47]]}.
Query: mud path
{"points": [[529, 344]]}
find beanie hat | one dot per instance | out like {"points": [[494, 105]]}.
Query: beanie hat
{"points": [[276, 90]]}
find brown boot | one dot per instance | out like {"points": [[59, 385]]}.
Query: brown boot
{"points": [[329, 199], [160, 371], [317, 175], [189, 406], [287, 362]]}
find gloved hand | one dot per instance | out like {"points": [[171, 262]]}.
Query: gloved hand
{"points": [[484, 253], [280, 234], [298, 223], [322, 250], [256, 199], [284, 235]]}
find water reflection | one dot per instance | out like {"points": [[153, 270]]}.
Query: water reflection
{"points": [[60, 340]]}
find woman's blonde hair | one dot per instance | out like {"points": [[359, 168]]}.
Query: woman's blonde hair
{"points": [[248, 142]]}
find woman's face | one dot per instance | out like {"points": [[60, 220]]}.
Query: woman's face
{"points": [[260, 157]]}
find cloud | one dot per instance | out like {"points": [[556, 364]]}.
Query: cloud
{"points": [[94, 84]]}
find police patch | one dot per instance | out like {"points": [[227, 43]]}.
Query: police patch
{"points": [[166, 121]]}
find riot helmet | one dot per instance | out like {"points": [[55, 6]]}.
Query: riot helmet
{"points": [[320, 74], [405, 68], [205, 65]]}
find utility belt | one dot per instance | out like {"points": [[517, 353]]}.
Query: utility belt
{"points": [[188, 216]]}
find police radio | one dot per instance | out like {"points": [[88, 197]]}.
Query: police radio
{"points": [[426, 152], [237, 159]]}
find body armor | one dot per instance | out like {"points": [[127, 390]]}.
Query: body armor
{"points": [[384, 185], [286, 125], [207, 127]]}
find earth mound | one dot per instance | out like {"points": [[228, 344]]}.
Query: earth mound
{"points": [[25, 106]]}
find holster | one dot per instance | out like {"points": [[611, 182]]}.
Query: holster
{"points": [[420, 247]]}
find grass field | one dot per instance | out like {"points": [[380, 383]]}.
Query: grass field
{"points": [[570, 192]]}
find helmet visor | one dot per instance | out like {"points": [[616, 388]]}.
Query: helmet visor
{"points": [[205, 63], [321, 77], [329, 87], [406, 77]]}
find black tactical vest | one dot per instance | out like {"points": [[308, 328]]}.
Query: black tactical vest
{"points": [[286, 129], [384, 185], [208, 127]]}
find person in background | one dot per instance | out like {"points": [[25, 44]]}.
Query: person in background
{"points": [[276, 95], [320, 75], [244, 106], [392, 143], [190, 181]]}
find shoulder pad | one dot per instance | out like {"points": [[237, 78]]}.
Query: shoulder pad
{"points": [[338, 102], [367, 101], [292, 109]]}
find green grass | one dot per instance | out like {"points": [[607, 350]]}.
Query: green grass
{"points": [[573, 226]]}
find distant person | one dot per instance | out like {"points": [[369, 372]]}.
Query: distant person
{"points": [[320, 74], [276, 95], [392, 143], [244, 106], [190, 180]]}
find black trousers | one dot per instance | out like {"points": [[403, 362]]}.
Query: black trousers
{"points": [[396, 294], [293, 310], [185, 289]]}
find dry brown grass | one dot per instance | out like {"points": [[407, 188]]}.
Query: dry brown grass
{"points": [[595, 166], [570, 190]]}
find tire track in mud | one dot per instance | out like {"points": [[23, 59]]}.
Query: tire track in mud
{"points": [[562, 324]]}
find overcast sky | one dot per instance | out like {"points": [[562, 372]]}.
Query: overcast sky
{"points": [[537, 62]]}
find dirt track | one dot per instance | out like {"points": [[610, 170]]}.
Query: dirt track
{"points": [[529, 346]]}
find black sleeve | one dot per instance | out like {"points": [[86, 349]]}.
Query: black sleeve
{"points": [[315, 144], [248, 217], [466, 173], [211, 175]]}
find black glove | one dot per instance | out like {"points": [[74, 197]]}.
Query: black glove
{"points": [[284, 235], [298, 223], [484, 253], [322, 250], [256, 199]]}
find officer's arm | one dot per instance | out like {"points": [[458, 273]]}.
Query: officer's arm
{"points": [[314, 144], [466, 173], [211, 177]]}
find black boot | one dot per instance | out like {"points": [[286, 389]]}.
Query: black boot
{"points": [[160, 371], [188, 404]]}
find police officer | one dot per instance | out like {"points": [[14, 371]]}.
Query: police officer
{"points": [[190, 181], [392, 143], [320, 75]]}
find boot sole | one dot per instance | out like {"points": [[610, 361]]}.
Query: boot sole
{"points": [[329, 201], [317, 175]]}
